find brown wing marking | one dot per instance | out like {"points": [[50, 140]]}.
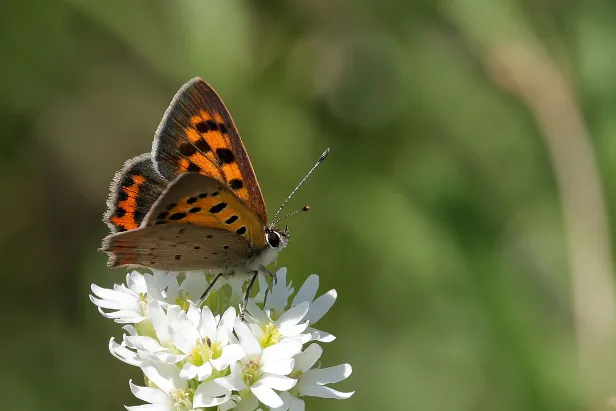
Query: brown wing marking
{"points": [[176, 247], [197, 134], [203, 201], [132, 193]]}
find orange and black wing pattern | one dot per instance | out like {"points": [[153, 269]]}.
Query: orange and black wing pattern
{"points": [[135, 188], [197, 134]]}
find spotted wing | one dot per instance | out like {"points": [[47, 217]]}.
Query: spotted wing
{"points": [[203, 201], [133, 191], [197, 223], [177, 247], [197, 134]]}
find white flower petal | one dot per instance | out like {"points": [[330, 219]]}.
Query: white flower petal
{"points": [[159, 320], [225, 326], [266, 395], [308, 290], [151, 395], [165, 376], [148, 344], [293, 316], [320, 336], [257, 313], [295, 330], [277, 300], [320, 306], [322, 376], [230, 353], [282, 350], [204, 371], [210, 394], [207, 327], [286, 399], [233, 382], [189, 371], [280, 367], [247, 339], [278, 382], [324, 392], [305, 360], [123, 354], [193, 314]]}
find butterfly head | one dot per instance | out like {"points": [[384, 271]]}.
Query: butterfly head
{"points": [[277, 238]]}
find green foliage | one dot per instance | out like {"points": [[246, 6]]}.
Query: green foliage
{"points": [[437, 217]]}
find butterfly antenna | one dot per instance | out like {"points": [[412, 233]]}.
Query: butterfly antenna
{"points": [[305, 208], [321, 159]]}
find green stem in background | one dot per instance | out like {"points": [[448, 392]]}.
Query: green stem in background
{"points": [[519, 63]]}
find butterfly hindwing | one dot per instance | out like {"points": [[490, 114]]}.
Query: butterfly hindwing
{"points": [[176, 247], [203, 201], [197, 134], [133, 191]]}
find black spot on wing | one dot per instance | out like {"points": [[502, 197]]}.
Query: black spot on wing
{"points": [[177, 216], [241, 230], [231, 219], [206, 126], [187, 149], [194, 210], [218, 208], [193, 167], [236, 184], [138, 216], [203, 146], [191, 200], [225, 156]]}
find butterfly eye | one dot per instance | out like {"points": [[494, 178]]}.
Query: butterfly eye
{"points": [[273, 239]]}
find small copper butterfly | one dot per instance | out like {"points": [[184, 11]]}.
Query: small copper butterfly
{"points": [[194, 202]]}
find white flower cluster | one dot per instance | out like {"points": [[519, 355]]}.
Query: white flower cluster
{"points": [[195, 358]]}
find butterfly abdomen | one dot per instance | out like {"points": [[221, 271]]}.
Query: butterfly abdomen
{"points": [[133, 191]]}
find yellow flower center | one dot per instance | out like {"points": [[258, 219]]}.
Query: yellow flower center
{"points": [[271, 336], [181, 400], [251, 372], [204, 351]]}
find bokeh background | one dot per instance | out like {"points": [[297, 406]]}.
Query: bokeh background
{"points": [[463, 214]]}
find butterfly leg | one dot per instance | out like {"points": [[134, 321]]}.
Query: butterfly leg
{"points": [[270, 285], [207, 290], [248, 290]]}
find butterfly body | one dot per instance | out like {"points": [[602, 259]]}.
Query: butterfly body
{"points": [[194, 202]]}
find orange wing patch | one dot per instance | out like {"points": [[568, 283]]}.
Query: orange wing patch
{"points": [[198, 200], [133, 191], [197, 134], [129, 206]]}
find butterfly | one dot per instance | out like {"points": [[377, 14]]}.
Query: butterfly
{"points": [[193, 202]]}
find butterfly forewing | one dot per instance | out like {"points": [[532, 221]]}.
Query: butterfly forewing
{"points": [[200, 200], [133, 191], [197, 134]]}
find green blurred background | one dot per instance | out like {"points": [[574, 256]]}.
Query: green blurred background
{"points": [[462, 215]]}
